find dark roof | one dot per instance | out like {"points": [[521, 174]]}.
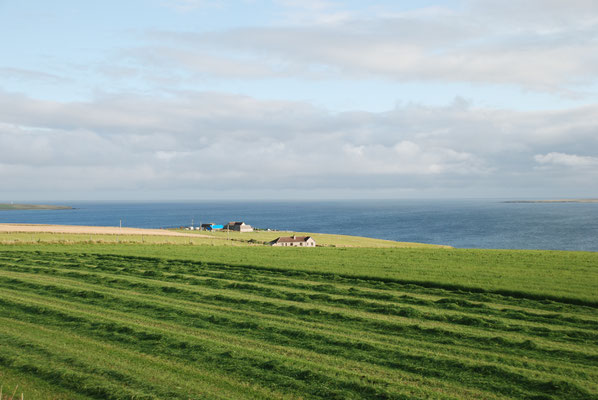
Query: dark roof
{"points": [[292, 239]]}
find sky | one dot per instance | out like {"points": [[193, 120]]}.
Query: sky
{"points": [[298, 99]]}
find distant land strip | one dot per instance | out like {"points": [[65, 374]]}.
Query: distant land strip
{"points": [[554, 201], [33, 207]]}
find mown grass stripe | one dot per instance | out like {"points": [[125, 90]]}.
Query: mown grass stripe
{"points": [[247, 273], [275, 328], [380, 307], [256, 365], [178, 312], [450, 303], [571, 390], [230, 311], [333, 277], [118, 366], [492, 369], [526, 344]]}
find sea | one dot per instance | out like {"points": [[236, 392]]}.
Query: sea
{"points": [[465, 223]]}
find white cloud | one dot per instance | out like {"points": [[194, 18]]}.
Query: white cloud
{"points": [[568, 160], [222, 142], [318, 12], [486, 42], [409, 158], [307, 4], [189, 5], [22, 74]]}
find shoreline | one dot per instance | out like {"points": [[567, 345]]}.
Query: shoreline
{"points": [[19, 207], [553, 201]]}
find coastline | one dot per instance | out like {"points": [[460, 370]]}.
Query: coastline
{"points": [[10, 207], [553, 201]]}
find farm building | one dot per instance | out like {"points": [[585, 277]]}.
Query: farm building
{"points": [[298, 241], [211, 227], [238, 226]]}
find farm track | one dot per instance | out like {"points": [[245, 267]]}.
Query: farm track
{"points": [[119, 327]]}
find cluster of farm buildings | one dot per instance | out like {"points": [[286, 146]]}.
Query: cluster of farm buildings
{"points": [[231, 226], [237, 226]]}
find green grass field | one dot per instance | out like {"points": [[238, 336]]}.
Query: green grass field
{"points": [[91, 320]]}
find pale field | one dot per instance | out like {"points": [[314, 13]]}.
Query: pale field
{"points": [[34, 233], [322, 239], [97, 230]]}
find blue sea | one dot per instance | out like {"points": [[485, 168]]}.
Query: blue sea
{"points": [[490, 224]]}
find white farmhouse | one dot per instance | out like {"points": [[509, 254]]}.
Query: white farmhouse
{"points": [[297, 241]]}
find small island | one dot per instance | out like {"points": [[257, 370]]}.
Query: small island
{"points": [[4, 207], [554, 201]]}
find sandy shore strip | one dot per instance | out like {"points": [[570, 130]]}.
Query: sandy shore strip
{"points": [[94, 230]]}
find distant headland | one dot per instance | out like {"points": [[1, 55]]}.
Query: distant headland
{"points": [[32, 207], [554, 201]]}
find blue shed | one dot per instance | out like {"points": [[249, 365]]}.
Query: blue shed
{"points": [[211, 227]]}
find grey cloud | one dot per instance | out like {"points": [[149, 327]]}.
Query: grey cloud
{"points": [[220, 141], [30, 146], [547, 15], [568, 160]]}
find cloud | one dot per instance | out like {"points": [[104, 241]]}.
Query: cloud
{"points": [[409, 158], [567, 160], [541, 46], [189, 5], [222, 143], [320, 12], [542, 15], [21, 74]]}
